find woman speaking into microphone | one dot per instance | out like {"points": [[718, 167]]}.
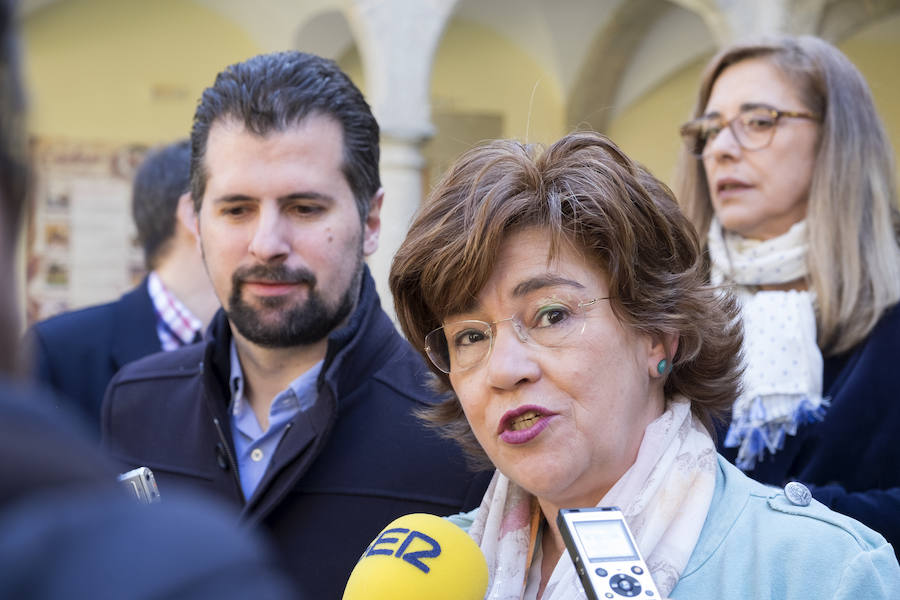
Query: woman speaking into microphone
{"points": [[561, 300]]}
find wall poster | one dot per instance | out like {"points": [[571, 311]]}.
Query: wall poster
{"points": [[81, 247]]}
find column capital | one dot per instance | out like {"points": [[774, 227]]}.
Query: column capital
{"points": [[731, 21], [397, 41]]}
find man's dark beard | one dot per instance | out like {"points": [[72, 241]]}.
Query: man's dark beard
{"points": [[298, 325]]}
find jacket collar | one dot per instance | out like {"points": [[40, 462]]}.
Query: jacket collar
{"points": [[359, 348], [730, 498]]}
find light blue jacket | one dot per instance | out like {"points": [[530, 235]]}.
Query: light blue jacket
{"points": [[757, 544]]}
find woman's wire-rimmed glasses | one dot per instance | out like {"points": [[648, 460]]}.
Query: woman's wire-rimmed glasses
{"points": [[461, 345], [753, 127]]}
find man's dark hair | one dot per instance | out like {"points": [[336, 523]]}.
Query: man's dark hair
{"points": [[162, 178], [273, 92]]}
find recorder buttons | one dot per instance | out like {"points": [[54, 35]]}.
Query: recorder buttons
{"points": [[625, 585], [601, 572], [637, 570]]}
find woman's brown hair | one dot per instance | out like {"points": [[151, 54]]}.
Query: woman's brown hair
{"points": [[854, 258], [582, 190]]}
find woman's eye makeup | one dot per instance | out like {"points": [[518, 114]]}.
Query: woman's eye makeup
{"points": [[550, 314]]}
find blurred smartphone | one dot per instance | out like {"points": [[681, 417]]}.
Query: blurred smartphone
{"points": [[141, 484], [605, 555]]}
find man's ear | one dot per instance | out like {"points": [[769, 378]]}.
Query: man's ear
{"points": [[185, 215], [372, 224]]}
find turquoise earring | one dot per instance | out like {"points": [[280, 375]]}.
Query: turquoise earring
{"points": [[661, 366]]}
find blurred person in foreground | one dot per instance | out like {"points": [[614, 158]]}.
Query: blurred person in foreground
{"points": [[561, 299], [77, 353], [299, 408], [789, 178], [68, 529]]}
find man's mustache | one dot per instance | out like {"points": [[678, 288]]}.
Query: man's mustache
{"points": [[273, 274]]}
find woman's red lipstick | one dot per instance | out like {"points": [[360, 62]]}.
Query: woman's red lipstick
{"points": [[523, 424]]}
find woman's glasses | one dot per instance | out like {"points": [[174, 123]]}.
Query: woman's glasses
{"points": [[753, 128], [462, 345]]}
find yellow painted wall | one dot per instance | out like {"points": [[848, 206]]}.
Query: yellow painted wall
{"points": [[648, 129], [476, 70], [351, 64], [878, 58], [124, 70]]}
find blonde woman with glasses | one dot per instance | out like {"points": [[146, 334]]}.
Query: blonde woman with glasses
{"points": [[788, 176]]}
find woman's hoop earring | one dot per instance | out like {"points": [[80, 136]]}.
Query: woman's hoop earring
{"points": [[661, 366]]}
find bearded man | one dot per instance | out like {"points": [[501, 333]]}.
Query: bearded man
{"points": [[300, 406]]}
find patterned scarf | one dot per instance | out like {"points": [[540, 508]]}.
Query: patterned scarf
{"points": [[782, 384], [665, 496]]}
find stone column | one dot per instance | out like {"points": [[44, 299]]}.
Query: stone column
{"points": [[402, 166], [397, 40]]}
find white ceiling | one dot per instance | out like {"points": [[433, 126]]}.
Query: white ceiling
{"points": [[556, 34]]}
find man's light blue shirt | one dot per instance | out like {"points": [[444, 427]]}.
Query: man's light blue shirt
{"points": [[255, 447]]}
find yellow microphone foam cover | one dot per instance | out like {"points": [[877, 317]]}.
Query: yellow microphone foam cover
{"points": [[419, 557]]}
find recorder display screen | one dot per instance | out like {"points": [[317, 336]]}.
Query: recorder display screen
{"points": [[605, 540]]}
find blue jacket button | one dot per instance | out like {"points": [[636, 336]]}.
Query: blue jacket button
{"points": [[797, 494]]}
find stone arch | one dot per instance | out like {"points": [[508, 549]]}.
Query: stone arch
{"points": [[326, 33], [591, 102], [731, 21], [842, 18]]}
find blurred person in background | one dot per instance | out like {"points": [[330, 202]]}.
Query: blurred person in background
{"points": [[13, 182], [788, 175], [78, 352], [69, 530]]}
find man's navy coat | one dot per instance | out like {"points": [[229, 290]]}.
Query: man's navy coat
{"points": [[78, 352], [348, 466]]}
